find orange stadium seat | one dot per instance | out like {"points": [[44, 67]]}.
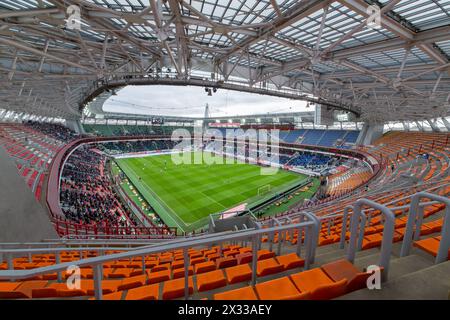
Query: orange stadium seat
{"points": [[238, 273], [246, 293], [279, 289], [211, 280], [148, 292], [173, 289]]}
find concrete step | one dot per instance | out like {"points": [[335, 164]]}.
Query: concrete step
{"points": [[398, 266], [327, 249], [409, 264], [340, 254], [432, 282]]}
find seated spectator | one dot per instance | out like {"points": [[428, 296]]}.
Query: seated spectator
{"points": [[86, 194], [57, 131]]}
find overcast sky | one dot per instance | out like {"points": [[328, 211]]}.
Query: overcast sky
{"points": [[191, 101]]}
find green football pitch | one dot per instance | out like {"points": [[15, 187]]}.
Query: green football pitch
{"points": [[184, 195]]}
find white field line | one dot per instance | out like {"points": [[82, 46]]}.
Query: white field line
{"points": [[158, 198]]}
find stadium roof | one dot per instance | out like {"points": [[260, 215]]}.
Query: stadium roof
{"points": [[322, 51]]}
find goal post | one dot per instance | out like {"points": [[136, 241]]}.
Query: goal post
{"points": [[264, 190]]}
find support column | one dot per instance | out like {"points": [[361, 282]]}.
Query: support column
{"points": [[433, 126], [369, 133], [419, 126], [76, 126], [446, 123]]}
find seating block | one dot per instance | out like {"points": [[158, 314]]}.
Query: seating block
{"points": [[265, 254], [226, 262], [148, 292], [290, 261], [205, 267], [343, 269], [245, 257], [319, 284], [179, 273], [246, 293], [155, 277], [238, 273], [279, 289], [211, 280], [132, 282], [268, 266], [173, 289], [8, 290]]}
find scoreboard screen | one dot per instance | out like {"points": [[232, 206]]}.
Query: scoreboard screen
{"points": [[157, 120]]}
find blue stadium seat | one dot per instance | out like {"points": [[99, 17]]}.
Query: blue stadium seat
{"points": [[352, 136], [293, 135], [312, 137], [330, 137]]}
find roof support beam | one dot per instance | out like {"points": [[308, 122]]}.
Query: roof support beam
{"points": [[86, 49], [41, 64], [400, 71], [181, 38], [432, 52], [276, 8], [26, 13], [322, 25], [423, 37], [13, 66], [298, 12], [446, 123], [360, 6], [26, 47], [433, 126]]}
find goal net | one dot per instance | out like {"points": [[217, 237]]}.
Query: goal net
{"points": [[264, 190]]}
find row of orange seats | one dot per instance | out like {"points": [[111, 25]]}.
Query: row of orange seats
{"points": [[372, 233], [327, 282], [211, 270]]}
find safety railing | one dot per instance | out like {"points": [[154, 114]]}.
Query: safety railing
{"points": [[428, 186], [50, 243], [344, 226], [81, 231], [368, 215], [440, 189], [357, 228], [308, 227], [393, 204], [16, 249], [415, 221]]}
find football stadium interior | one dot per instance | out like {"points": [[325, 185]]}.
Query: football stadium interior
{"points": [[345, 197]]}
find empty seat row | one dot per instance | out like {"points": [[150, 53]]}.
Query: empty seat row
{"points": [[120, 279], [327, 282]]}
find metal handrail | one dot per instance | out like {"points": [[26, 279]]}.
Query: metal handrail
{"points": [[88, 246], [414, 225], [433, 187], [388, 232], [334, 215], [344, 225], [410, 195], [64, 228], [97, 262], [46, 246]]}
